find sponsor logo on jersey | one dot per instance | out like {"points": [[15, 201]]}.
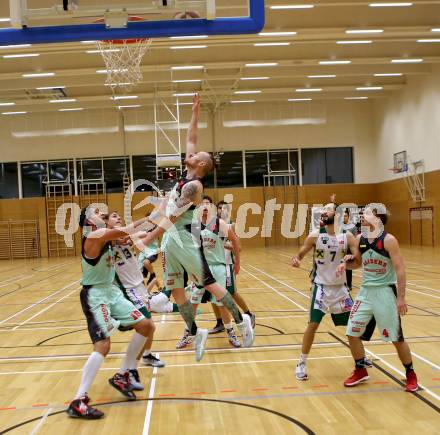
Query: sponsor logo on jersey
{"points": [[320, 253], [385, 333], [355, 308], [136, 314], [348, 303], [104, 313], [355, 329], [341, 242], [379, 245]]}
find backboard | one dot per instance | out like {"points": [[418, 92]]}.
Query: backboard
{"points": [[51, 21]]}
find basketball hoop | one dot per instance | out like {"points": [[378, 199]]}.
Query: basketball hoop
{"points": [[123, 58]]}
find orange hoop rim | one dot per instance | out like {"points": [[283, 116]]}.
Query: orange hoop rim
{"points": [[131, 19]]}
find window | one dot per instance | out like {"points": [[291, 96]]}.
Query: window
{"points": [[144, 168], [293, 162], [33, 175], [230, 169], [59, 171], [114, 171], [90, 169], [278, 160], [8, 180], [327, 165], [256, 167]]}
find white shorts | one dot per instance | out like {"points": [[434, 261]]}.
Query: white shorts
{"points": [[335, 299], [159, 304]]}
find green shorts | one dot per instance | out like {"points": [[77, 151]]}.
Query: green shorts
{"points": [[219, 273], [333, 299], [381, 303], [230, 279], [182, 252], [106, 309]]}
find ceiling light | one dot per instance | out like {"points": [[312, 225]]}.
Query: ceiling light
{"points": [[14, 46], [12, 56], [242, 101], [51, 74], [73, 109], [4, 20], [281, 7], [187, 81], [254, 78], [407, 60], [63, 100], [390, 5], [185, 94], [323, 76], [189, 37], [271, 44], [334, 62], [388, 75], [247, 92], [369, 88], [363, 31], [356, 98], [187, 67], [295, 100], [359, 41], [423, 40], [129, 106], [185, 47], [45, 88], [13, 113], [277, 33], [308, 90], [255, 65], [124, 97], [105, 50], [7, 104], [435, 30]]}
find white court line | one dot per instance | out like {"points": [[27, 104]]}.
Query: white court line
{"points": [[274, 289], [54, 267], [281, 282], [431, 393], [41, 421], [45, 309], [423, 286], [422, 293], [435, 366], [12, 280], [147, 420], [33, 372], [39, 302]]}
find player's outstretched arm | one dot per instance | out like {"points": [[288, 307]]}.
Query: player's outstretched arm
{"points": [[308, 245], [392, 246], [191, 136]]}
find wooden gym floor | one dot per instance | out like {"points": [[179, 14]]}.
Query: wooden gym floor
{"points": [[44, 344]]}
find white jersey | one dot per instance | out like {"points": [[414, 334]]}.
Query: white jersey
{"points": [[329, 252], [127, 267]]}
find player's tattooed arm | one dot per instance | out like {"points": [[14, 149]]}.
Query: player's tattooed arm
{"points": [[392, 246], [191, 194], [308, 245]]}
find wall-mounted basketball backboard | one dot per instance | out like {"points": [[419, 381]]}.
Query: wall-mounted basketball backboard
{"points": [[52, 21]]}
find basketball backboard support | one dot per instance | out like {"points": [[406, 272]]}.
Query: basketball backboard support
{"points": [[413, 174], [77, 22]]}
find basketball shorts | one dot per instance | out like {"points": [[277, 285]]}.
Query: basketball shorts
{"points": [[160, 303], [219, 273], [106, 309], [182, 252], [381, 303], [230, 279], [136, 296], [333, 299]]}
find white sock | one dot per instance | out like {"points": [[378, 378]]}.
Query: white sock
{"points": [[304, 357], [90, 370], [228, 326], [147, 352], [134, 348]]}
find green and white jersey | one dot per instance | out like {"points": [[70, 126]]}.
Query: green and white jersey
{"points": [[186, 219], [100, 271], [329, 251], [229, 255], [212, 243], [350, 227], [126, 265], [377, 267]]}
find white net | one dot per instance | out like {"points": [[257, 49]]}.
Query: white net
{"points": [[123, 60]]}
